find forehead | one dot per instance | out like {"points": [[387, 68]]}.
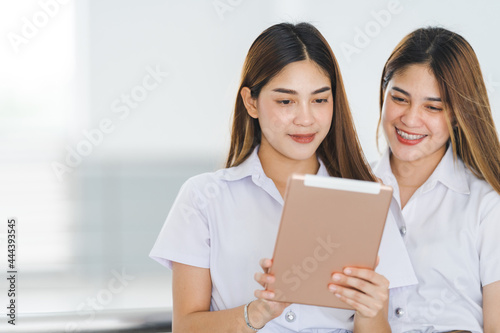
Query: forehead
{"points": [[301, 74], [416, 77]]}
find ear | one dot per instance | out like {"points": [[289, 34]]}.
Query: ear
{"points": [[250, 102]]}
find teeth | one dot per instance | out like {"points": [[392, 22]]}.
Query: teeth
{"points": [[407, 136]]}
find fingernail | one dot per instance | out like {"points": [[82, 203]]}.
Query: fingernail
{"points": [[338, 295], [336, 277], [332, 287], [270, 295], [347, 271]]}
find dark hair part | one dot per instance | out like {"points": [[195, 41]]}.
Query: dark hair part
{"points": [[455, 66], [276, 47]]}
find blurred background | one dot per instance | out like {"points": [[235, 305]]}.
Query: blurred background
{"points": [[107, 107]]}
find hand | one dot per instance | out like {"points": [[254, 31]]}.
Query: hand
{"points": [[363, 289], [266, 299]]}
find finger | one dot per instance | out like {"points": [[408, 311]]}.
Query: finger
{"points": [[368, 275], [264, 279], [366, 287], [361, 308], [264, 294], [265, 263], [354, 295], [366, 304]]}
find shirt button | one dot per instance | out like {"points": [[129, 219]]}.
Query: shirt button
{"points": [[402, 230], [399, 312], [290, 316]]}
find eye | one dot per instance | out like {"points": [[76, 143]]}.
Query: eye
{"points": [[284, 102], [398, 99], [434, 109], [320, 100]]}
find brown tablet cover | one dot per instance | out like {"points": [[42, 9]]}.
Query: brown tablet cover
{"points": [[327, 224]]}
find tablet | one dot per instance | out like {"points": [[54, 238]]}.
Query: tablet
{"points": [[327, 224]]}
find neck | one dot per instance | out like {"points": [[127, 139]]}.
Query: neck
{"points": [[410, 175], [279, 167]]}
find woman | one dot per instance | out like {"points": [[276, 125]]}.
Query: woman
{"points": [[291, 115], [444, 165]]}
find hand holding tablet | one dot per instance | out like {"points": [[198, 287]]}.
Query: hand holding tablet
{"points": [[327, 224]]}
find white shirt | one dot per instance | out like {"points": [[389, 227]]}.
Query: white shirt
{"points": [[451, 228], [228, 220]]}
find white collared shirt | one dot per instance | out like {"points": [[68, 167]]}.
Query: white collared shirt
{"points": [[451, 228], [228, 220]]}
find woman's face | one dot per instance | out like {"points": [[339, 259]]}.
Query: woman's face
{"points": [[295, 110], [413, 117]]}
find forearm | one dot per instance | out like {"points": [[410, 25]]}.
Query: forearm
{"points": [[230, 321]]}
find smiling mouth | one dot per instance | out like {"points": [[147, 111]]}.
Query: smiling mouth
{"points": [[303, 138], [408, 136]]}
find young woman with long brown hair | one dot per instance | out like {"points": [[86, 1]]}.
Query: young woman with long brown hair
{"points": [[444, 164], [291, 115]]}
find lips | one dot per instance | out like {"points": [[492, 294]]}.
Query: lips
{"points": [[303, 138], [409, 138]]}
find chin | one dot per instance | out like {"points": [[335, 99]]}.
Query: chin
{"points": [[304, 155], [408, 155]]}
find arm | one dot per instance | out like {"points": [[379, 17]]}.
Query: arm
{"points": [[491, 307], [369, 296], [192, 291]]}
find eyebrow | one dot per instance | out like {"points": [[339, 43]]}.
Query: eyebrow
{"points": [[432, 99], [294, 92]]}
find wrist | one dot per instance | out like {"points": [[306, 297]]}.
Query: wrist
{"points": [[378, 324], [256, 315]]}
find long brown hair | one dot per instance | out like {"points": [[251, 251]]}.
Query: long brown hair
{"points": [[455, 66], [276, 47]]}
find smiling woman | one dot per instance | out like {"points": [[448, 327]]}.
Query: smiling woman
{"points": [[291, 116], [444, 165], [303, 114]]}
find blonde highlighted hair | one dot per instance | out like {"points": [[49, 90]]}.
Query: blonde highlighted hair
{"points": [[455, 66]]}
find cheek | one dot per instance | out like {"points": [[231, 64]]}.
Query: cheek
{"points": [[325, 118], [272, 120], [387, 116], [442, 129]]}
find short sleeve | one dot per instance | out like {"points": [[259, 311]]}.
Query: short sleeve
{"points": [[185, 236], [488, 245]]}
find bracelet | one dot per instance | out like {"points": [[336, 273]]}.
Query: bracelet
{"points": [[247, 321]]}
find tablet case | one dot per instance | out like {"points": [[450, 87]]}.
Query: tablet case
{"points": [[327, 224]]}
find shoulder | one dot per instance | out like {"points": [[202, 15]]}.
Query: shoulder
{"points": [[213, 185], [483, 194]]}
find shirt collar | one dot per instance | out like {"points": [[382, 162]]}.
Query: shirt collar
{"points": [[252, 167], [449, 172], [382, 169]]}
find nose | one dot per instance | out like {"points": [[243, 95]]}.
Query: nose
{"points": [[304, 115], [411, 116]]}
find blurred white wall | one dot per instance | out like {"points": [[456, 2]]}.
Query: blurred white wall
{"points": [[203, 49]]}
